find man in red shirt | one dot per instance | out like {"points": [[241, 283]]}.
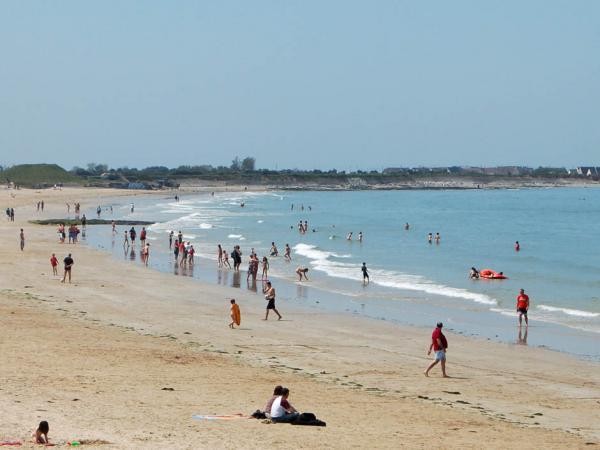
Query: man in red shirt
{"points": [[439, 344], [523, 306]]}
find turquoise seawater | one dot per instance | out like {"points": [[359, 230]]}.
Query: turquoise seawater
{"points": [[411, 281]]}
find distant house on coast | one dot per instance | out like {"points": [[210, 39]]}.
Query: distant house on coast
{"points": [[588, 171]]}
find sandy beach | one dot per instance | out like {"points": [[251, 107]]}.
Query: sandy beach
{"points": [[124, 356]]}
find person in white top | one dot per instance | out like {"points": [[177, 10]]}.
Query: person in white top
{"points": [[282, 410]]}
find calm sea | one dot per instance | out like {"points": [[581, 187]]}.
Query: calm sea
{"points": [[412, 281]]}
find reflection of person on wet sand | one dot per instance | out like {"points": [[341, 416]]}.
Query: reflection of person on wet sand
{"points": [[522, 339]]}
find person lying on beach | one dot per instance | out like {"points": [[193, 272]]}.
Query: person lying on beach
{"points": [[282, 410], [301, 271], [41, 434]]}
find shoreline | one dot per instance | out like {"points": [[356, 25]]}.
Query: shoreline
{"points": [[564, 339], [501, 388]]}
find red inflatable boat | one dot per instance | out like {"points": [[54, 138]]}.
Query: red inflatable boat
{"points": [[489, 274]]}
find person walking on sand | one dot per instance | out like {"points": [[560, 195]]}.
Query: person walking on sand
{"points": [[54, 264], [22, 237], [270, 298], [439, 344], [234, 313], [365, 273], [68, 262], [288, 253], [126, 241], [523, 306]]}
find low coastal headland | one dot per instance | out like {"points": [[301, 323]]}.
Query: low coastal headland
{"points": [[124, 356], [99, 175]]}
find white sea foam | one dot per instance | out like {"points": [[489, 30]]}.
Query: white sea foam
{"points": [[397, 280], [235, 236], [259, 221], [205, 226], [568, 311]]}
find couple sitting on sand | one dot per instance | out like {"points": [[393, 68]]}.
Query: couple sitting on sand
{"points": [[278, 409]]}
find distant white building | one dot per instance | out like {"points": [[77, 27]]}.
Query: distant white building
{"points": [[588, 171]]}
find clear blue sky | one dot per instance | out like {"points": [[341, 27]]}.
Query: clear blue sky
{"points": [[300, 84]]}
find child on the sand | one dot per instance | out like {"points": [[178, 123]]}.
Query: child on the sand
{"points": [[234, 313], [54, 264], [41, 434]]}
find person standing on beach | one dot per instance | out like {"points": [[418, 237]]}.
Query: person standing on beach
{"points": [[265, 268], [219, 255], [439, 344], [523, 306], [54, 264], [22, 237], [365, 273], [171, 239], [126, 241], [132, 235], [430, 238], [517, 246], [68, 262], [143, 237], [270, 298]]}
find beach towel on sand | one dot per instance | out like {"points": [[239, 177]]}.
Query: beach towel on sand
{"points": [[220, 417]]}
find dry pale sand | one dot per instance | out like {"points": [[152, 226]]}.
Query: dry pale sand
{"points": [[94, 358]]}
